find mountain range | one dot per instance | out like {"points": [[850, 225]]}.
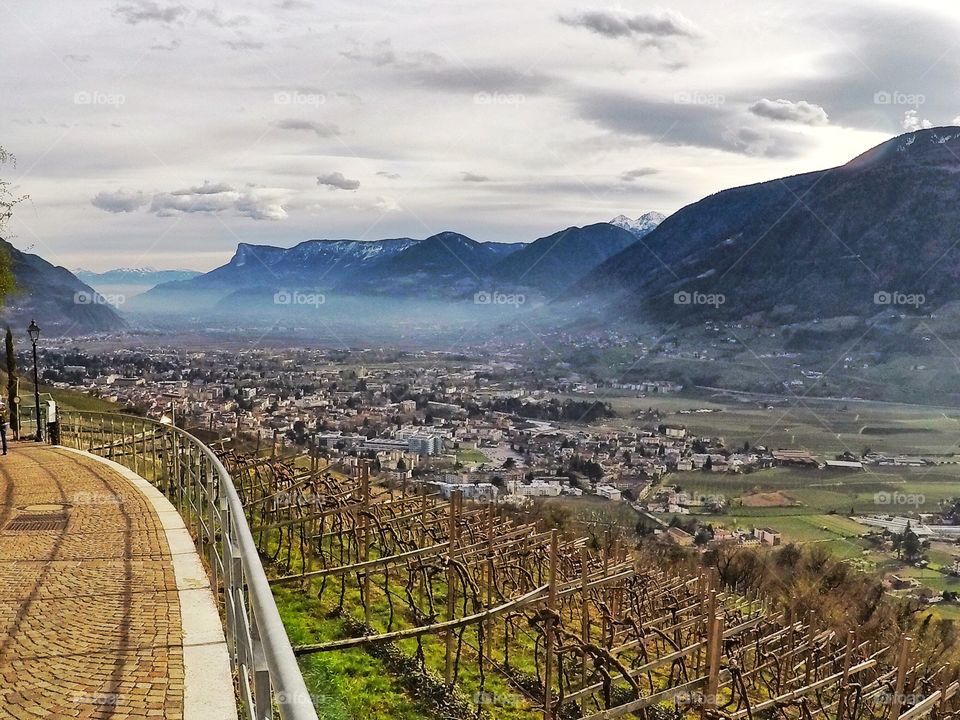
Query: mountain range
{"points": [[872, 238], [447, 265], [875, 235], [145, 277]]}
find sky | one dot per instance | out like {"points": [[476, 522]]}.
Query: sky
{"points": [[161, 134]]}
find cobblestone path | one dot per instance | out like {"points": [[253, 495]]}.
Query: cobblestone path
{"points": [[90, 623]]}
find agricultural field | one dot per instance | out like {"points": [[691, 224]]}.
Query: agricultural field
{"points": [[825, 427]]}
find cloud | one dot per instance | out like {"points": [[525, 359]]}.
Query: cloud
{"points": [[474, 178], [386, 204], [882, 56], [212, 198], [428, 69], [650, 28], [336, 181], [912, 121], [208, 188], [244, 44], [121, 201], [388, 175], [636, 174], [487, 78], [217, 19], [167, 46], [321, 129], [380, 54], [77, 58], [799, 112], [135, 12], [693, 120]]}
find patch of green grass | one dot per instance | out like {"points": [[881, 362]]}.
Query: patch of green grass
{"points": [[472, 456], [345, 684], [75, 400]]}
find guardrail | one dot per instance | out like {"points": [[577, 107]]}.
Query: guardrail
{"points": [[195, 481]]}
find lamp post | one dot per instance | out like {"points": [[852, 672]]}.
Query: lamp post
{"points": [[34, 332]]}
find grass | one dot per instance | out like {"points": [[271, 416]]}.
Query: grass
{"points": [[472, 456], [346, 684], [74, 400]]}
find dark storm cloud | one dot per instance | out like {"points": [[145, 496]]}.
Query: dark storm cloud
{"points": [[473, 177]]}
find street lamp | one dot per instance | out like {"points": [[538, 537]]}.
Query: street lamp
{"points": [[34, 332]]}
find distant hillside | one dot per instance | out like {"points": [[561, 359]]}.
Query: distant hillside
{"points": [[554, 262], [447, 266], [874, 235], [53, 296], [130, 281]]}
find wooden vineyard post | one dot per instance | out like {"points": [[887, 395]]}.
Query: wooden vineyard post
{"points": [[714, 647], [548, 629], [607, 624], [902, 664], [488, 624], [781, 668], [847, 657], [584, 619], [451, 581], [365, 538]]}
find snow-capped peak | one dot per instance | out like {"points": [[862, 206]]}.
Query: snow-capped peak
{"points": [[643, 225]]}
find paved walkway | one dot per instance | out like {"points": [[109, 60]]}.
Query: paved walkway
{"points": [[105, 611]]}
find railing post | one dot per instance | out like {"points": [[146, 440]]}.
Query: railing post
{"points": [[212, 529]]}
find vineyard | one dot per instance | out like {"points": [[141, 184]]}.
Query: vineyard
{"points": [[485, 615]]}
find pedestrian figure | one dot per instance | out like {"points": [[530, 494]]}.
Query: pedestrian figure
{"points": [[3, 432]]}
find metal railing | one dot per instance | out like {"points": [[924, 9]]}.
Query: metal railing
{"points": [[267, 676]]}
